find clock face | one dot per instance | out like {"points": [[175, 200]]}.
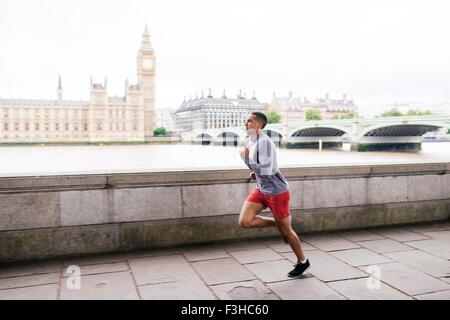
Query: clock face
{"points": [[148, 64]]}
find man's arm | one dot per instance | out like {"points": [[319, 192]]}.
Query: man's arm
{"points": [[266, 159], [245, 155]]}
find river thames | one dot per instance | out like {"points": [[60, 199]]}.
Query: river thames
{"points": [[56, 160]]}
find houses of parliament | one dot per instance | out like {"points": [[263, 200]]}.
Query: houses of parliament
{"points": [[130, 118]]}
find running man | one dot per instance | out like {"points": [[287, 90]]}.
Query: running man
{"points": [[272, 189]]}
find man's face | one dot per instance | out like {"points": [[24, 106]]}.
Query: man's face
{"points": [[252, 124]]}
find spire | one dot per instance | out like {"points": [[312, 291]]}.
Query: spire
{"points": [[146, 46], [203, 95], [209, 93], [224, 96], [60, 89], [146, 35], [254, 97], [106, 82]]}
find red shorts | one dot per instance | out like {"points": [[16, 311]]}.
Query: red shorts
{"points": [[279, 204]]}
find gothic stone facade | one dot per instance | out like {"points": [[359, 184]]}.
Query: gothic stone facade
{"points": [[101, 119]]}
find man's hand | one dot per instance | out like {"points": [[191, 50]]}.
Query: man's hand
{"points": [[252, 176], [245, 152]]}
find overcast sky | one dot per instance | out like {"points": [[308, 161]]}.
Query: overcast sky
{"points": [[374, 51]]}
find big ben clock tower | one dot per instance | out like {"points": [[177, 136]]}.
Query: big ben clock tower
{"points": [[146, 80]]}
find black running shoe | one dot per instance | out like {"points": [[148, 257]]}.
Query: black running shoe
{"points": [[299, 269]]}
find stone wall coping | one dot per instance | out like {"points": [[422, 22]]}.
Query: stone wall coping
{"points": [[86, 181]]}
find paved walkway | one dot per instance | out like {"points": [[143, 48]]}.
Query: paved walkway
{"points": [[413, 262]]}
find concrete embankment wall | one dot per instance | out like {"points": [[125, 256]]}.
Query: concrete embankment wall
{"points": [[49, 216]]}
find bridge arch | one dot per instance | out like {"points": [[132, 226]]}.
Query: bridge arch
{"points": [[228, 138], [203, 139], [401, 129], [319, 131], [275, 135], [235, 131]]}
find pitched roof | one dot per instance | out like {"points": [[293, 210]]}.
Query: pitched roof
{"points": [[220, 103], [42, 103]]}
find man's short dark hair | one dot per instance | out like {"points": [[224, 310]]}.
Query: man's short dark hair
{"points": [[261, 117]]}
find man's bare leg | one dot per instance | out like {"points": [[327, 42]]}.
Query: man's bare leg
{"points": [[249, 216], [284, 225]]}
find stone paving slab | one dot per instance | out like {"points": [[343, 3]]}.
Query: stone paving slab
{"points": [[409, 280], [359, 289], [280, 246], [304, 289], [422, 261], [29, 268], [45, 292], [99, 268], [107, 286], [27, 281], [437, 247], [242, 245], [438, 234], [327, 268], [222, 271], [193, 289], [256, 255], [360, 235], [384, 246], [429, 227], [341, 266], [152, 253], [359, 257], [441, 295], [277, 245], [246, 290], [204, 253], [400, 235], [330, 242], [271, 271], [153, 270], [94, 259]]}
